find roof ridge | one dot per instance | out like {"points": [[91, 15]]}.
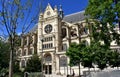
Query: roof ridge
{"points": [[75, 13]]}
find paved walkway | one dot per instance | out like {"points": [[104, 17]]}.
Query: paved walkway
{"points": [[55, 76]]}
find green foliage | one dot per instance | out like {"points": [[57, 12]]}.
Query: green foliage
{"points": [[106, 15], [16, 68], [105, 12], [18, 74], [114, 59], [101, 56], [33, 64], [88, 57], [4, 57], [75, 53]]}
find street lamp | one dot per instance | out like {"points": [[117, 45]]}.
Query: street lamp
{"points": [[42, 56]]}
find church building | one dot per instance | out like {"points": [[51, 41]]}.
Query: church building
{"points": [[51, 37]]}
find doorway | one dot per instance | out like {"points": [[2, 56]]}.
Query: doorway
{"points": [[48, 69]]}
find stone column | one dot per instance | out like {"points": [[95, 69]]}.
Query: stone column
{"points": [[57, 64], [22, 41], [27, 40]]}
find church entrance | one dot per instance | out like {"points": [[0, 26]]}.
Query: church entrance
{"points": [[48, 63], [48, 69]]}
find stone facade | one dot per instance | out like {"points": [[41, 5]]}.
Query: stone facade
{"points": [[28, 48], [52, 36]]}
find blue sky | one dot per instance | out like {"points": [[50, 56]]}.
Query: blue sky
{"points": [[69, 6]]}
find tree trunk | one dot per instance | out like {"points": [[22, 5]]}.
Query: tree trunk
{"points": [[11, 64], [79, 70], [89, 71]]}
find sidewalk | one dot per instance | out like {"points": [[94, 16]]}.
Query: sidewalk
{"points": [[55, 76]]}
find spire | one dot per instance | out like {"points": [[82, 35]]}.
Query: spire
{"points": [[61, 12], [55, 8]]}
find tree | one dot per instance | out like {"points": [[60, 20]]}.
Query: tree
{"points": [[74, 52], [95, 54], [16, 15], [4, 57], [106, 17], [104, 13], [101, 56], [33, 64], [88, 58], [114, 59]]}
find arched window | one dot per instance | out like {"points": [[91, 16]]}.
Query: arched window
{"points": [[85, 42], [48, 57], [63, 61], [86, 30], [64, 32], [64, 47], [31, 40], [19, 53], [24, 52], [25, 41], [23, 63], [30, 51], [73, 32]]}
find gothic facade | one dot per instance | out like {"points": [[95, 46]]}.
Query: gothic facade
{"points": [[52, 37]]}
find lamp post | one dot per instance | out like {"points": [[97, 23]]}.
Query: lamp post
{"points": [[42, 56]]}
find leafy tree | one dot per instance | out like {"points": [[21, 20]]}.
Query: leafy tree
{"points": [[88, 57], [33, 64], [74, 52], [96, 54], [4, 57], [17, 16], [106, 16], [16, 67], [101, 57], [105, 12], [114, 59]]}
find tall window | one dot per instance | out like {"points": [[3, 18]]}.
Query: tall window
{"points": [[31, 39], [85, 42], [46, 46], [24, 52], [73, 32], [48, 57], [46, 39], [30, 51], [23, 63], [64, 47], [64, 33], [19, 53], [63, 61], [25, 41], [85, 31]]}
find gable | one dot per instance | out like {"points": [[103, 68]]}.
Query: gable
{"points": [[49, 12]]}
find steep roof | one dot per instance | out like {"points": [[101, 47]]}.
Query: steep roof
{"points": [[75, 17]]}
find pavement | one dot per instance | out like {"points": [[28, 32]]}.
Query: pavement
{"points": [[55, 76]]}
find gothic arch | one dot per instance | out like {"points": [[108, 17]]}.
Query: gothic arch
{"points": [[48, 57], [63, 61]]}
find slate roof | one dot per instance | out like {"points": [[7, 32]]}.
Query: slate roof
{"points": [[75, 17]]}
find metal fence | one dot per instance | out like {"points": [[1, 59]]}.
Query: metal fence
{"points": [[112, 73], [34, 74]]}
